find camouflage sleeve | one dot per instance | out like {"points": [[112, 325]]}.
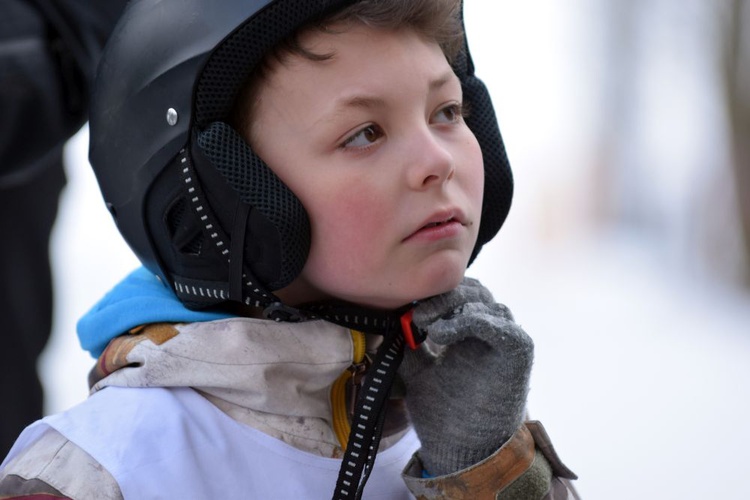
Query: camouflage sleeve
{"points": [[53, 468], [525, 467]]}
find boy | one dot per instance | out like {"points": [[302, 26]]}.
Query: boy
{"points": [[368, 198]]}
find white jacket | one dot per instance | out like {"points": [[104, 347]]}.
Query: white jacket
{"points": [[235, 408]]}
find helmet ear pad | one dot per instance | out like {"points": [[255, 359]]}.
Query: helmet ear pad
{"points": [[498, 178], [277, 228]]}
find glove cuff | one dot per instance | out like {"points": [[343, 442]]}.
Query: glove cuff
{"points": [[517, 469], [447, 458]]}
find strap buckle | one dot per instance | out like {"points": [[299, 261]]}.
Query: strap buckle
{"points": [[413, 335]]}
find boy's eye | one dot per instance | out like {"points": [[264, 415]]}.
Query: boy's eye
{"points": [[449, 114], [364, 137]]}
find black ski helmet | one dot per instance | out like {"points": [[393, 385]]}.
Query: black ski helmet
{"points": [[187, 193]]}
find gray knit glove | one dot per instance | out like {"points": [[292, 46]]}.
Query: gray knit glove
{"points": [[468, 398]]}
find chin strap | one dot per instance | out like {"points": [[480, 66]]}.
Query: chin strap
{"points": [[397, 330]]}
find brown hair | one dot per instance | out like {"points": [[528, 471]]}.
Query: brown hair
{"points": [[435, 20]]}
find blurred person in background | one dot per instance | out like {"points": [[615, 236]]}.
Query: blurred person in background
{"points": [[48, 55]]}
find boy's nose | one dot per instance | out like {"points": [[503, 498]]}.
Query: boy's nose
{"points": [[432, 162]]}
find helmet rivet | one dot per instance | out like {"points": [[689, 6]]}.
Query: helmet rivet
{"points": [[172, 117]]}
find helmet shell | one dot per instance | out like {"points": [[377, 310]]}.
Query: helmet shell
{"points": [[171, 70]]}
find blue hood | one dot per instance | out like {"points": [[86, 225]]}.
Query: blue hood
{"points": [[139, 299]]}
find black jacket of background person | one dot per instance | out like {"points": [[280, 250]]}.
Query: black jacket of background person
{"points": [[49, 50], [48, 55]]}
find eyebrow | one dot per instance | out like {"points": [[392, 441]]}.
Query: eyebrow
{"points": [[368, 102], [437, 83], [361, 101]]}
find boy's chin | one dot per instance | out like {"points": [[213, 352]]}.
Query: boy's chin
{"points": [[446, 283], [442, 275], [434, 284]]}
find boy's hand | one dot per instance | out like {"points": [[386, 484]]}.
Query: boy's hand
{"points": [[470, 397]]}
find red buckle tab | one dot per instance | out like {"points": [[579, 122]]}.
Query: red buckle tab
{"points": [[408, 327]]}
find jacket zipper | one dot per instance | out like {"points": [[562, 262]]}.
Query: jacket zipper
{"points": [[341, 413]]}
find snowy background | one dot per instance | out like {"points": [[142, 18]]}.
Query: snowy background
{"points": [[618, 256]]}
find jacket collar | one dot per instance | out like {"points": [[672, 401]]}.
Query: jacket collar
{"points": [[279, 368]]}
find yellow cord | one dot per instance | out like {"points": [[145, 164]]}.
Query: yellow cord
{"points": [[360, 346], [341, 425]]}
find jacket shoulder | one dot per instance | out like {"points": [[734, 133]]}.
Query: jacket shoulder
{"points": [[55, 468]]}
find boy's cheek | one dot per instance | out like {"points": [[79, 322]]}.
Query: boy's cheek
{"points": [[345, 226], [350, 240], [352, 211]]}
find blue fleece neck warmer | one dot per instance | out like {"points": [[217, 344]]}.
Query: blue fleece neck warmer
{"points": [[139, 299]]}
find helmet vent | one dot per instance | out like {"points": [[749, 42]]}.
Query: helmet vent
{"points": [[186, 236]]}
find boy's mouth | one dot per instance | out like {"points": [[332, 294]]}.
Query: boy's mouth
{"points": [[437, 222]]}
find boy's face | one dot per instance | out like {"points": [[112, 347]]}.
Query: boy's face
{"points": [[373, 143]]}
